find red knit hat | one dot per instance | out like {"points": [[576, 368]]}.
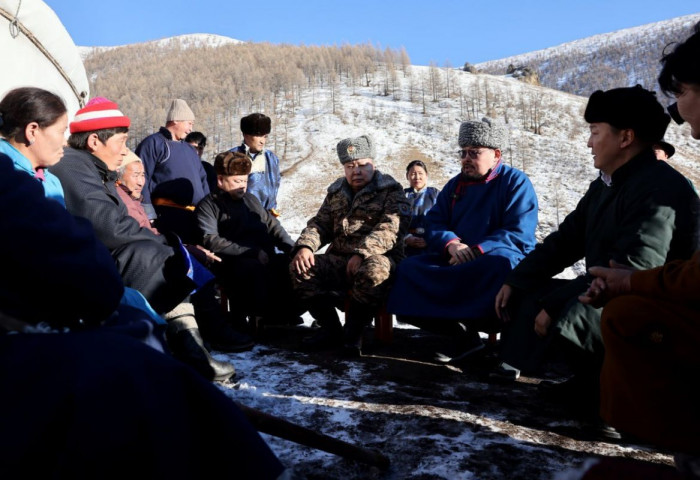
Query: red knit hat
{"points": [[98, 114]]}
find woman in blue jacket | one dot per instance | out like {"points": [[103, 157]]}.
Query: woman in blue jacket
{"points": [[422, 199], [33, 126]]}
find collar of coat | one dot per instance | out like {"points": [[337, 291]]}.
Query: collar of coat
{"points": [[636, 163], [106, 174], [246, 149], [380, 181], [166, 133], [129, 192]]}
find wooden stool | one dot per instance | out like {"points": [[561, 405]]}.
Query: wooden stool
{"points": [[383, 325]]}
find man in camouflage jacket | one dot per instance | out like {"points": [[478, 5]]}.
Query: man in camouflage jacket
{"points": [[363, 218]]}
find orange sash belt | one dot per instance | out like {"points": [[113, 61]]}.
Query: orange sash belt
{"points": [[164, 202]]}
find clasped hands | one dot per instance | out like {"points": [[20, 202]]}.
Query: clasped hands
{"points": [[460, 253], [304, 260]]}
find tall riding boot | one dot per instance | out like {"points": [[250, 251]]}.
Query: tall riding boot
{"points": [[214, 326], [330, 335], [186, 344], [358, 316]]}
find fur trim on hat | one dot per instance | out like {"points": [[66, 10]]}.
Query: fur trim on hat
{"points": [[232, 163], [99, 114], [179, 111], [256, 124], [630, 107], [350, 149], [485, 133]]}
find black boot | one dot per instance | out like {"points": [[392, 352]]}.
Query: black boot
{"points": [[186, 344], [357, 317], [213, 324], [330, 335]]}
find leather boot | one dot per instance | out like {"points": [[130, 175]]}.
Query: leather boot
{"points": [[358, 316], [214, 326], [186, 345], [330, 335]]}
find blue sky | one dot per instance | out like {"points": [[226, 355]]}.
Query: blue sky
{"points": [[430, 30]]}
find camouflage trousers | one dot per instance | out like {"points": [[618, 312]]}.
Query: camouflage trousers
{"points": [[369, 286]]}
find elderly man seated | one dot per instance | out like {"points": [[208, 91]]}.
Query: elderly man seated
{"points": [[130, 182], [237, 228], [364, 218], [482, 224]]}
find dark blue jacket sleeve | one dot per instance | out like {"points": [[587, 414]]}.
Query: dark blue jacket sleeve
{"points": [[54, 268]]}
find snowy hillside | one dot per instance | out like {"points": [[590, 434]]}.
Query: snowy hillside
{"points": [[406, 124], [624, 57], [557, 160], [185, 41]]}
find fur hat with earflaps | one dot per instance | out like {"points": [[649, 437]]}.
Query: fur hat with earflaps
{"points": [[350, 149], [232, 163], [485, 133]]}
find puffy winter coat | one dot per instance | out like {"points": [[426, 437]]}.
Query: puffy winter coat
{"points": [[143, 258], [373, 221]]}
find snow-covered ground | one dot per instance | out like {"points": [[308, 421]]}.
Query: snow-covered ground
{"points": [[432, 421]]}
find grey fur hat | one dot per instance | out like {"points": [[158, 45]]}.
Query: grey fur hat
{"points": [[350, 149], [485, 133]]}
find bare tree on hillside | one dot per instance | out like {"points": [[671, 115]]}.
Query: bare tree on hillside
{"points": [[405, 62], [412, 86], [424, 82], [448, 79], [435, 81]]}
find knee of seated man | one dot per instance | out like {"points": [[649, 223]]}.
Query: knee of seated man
{"points": [[376, 269]]}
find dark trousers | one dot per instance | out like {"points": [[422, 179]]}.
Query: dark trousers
{"points": [[257, 289]]}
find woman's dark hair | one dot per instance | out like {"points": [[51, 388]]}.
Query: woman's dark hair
{"points": [[196, 137], [79, 140], [25, 105], [414, 163], [681, 65]]}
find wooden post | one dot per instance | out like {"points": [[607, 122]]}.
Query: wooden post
{"points": [[278, 427]]}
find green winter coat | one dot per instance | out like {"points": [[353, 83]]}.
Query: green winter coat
{"points": [[645, 218]]}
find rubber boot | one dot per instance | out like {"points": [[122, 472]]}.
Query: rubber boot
{"points": [[186, 345], [330, 335], [214, 326], [358, 316]]}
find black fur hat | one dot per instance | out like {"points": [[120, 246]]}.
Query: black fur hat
{"points": [[630, 107], [666, 147], [256, 124]]}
